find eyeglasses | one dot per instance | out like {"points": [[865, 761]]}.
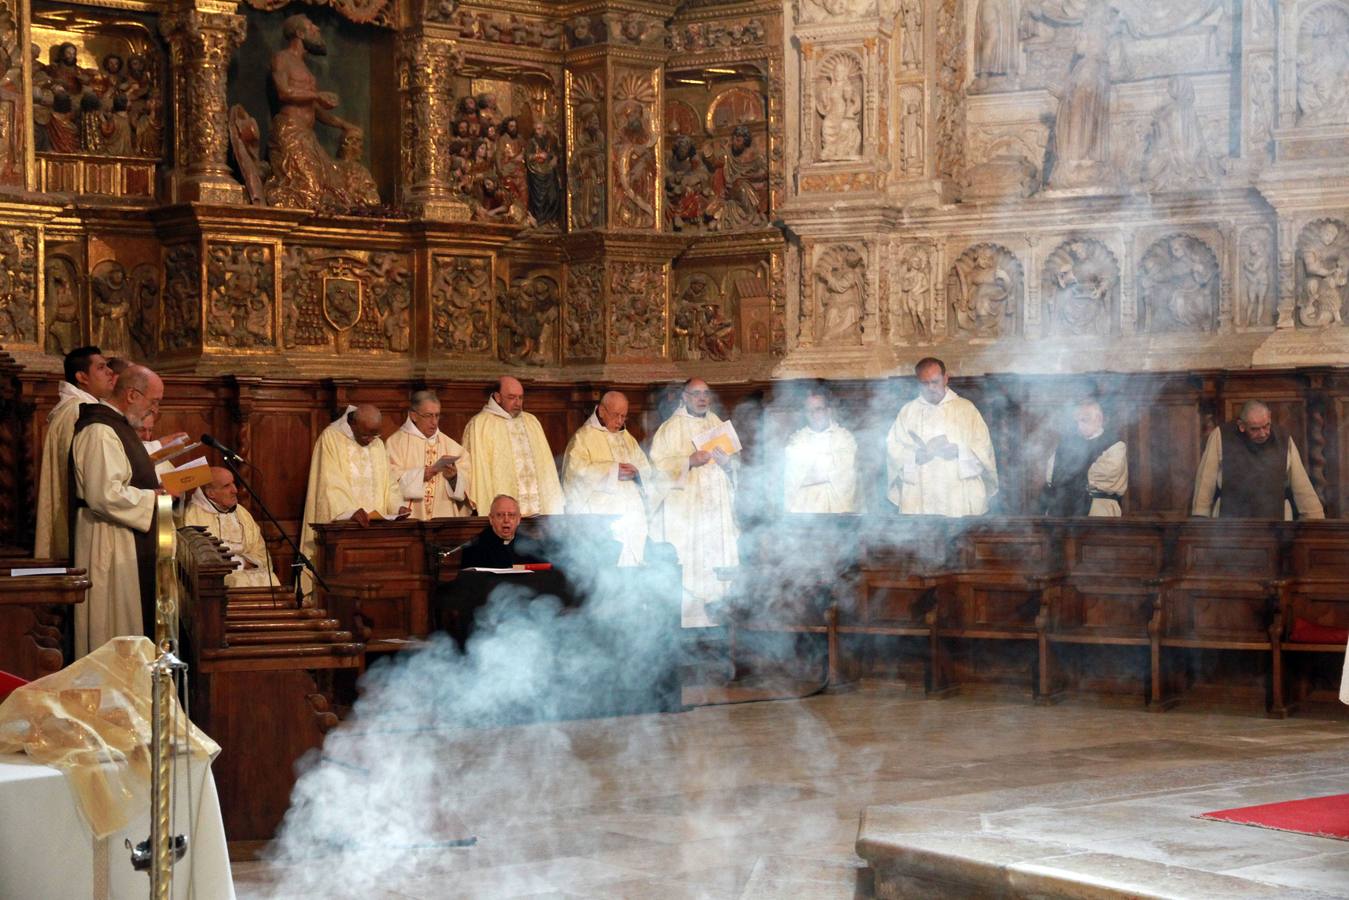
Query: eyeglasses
{"points": [[426, 415], [698, 394]]}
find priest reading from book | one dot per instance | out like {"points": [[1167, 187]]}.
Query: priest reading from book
{"points": [[112, 488], [88, 379], [693, 454], [939, 455], [432, 469], [511, 454], [215, 507], [498, 546], [820, 472], [162, 450], [1251, 470], [605, 471], [349, 478], [1088, 473]]}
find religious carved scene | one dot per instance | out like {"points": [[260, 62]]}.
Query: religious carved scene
{"points": [[63, 290], [1080, 288], [1178, 285], [337, 300], [985, 289], [839, 90], [18, 286], [588, 155], [635, 171], [527, 313], [241, 291], [13, 146], [1322, 273], [716, 176], [1323, 64], [1254, 308], [180, 324], [461, 304], [912, 317], [637, 307], [583, 313], [839, 288]]}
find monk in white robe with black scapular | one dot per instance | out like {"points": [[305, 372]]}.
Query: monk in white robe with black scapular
{"points": [[604, 471], [1088, 473], [940, 458], [113, 489], [433, 470], [215, 507], [349, 478], [511, 455], [694, 506], [1251, 469], [88, 379], [820, 469]]}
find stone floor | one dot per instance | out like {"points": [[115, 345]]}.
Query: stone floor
{"points": [[764, 799]]}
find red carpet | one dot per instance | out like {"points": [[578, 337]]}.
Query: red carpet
{"points": [[1320, 816]]}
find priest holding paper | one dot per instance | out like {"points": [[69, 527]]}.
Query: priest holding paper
{"points": [[433, 470], [112, 491], [820, 473], [88, 379], [604, 471], [216, 508], [511, 454], [693, 456], [939, 456], [349, 478]]}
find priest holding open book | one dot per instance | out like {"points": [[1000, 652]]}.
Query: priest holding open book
{"points": [[939, 455], [693, 504]]}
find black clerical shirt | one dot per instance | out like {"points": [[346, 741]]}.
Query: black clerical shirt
{"points": [[487, 551]]}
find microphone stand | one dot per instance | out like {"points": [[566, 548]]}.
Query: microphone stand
{"points": [[301, 561]]}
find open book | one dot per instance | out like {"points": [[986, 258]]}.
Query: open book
{"points": [[174, 449], [932, 445], [722, 437], [187, 476]]}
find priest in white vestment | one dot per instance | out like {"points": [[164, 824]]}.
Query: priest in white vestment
{"points": [[433, 470], [820, 471], [511, 455], [349, 478], [939, 456], [153, 444], [604, 471], [216, 508], [1089, 472], [88, 379], [114, 490], [694, 504]]}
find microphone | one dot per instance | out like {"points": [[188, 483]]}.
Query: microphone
{"points": [[230, 455]]}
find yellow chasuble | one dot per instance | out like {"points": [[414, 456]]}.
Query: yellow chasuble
{"points": [[820, 473], [941, 487], [694, 510], [238, 531], [104, 544], [590, 478], [53, 527], [410, 452], [345, 477], [511, 456]]}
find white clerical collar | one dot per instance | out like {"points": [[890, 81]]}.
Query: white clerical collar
{"points": [[495, 409], [684, 411], [1099, 432], [344, 423], [594, 421], [409, 428], [201, 501], [946, 398], [67, 391]]}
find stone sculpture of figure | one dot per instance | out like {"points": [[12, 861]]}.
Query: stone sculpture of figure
{"points": [[914, 284], [983, 288], [587, 177], [995, 40], [911, 34], [840, 276], [740, 184], [839, 105], [1081, 279], [111, 309], [542, 157], [634, 166], [1179, 283], [304, 176], [1255, 277], [1080, 138], [1174, 153], [1325, 268], [1323, 66], [688, 188]]}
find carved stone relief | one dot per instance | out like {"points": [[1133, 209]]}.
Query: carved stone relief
{"points": [[716, 176], [461, 304], [996, 48], [911, 148], [634, 158], [702, 326], [583, 333], [586, 167], [839, 91], [810, 11], [240, 292], [985, 289], [527, 321], [913, 314], [1260, 96], [1080, 288], [910, 35], [343, 300], [121, 307], [635, 30], [18, 285], [1175, 155], [180, 322], [695, 37], [61, 268], [1178, 284], [948, 98], [498, 28], [840, 289], [637, 310], [1323, 65], [1257, 272], [12, 146], [1322, 273]]}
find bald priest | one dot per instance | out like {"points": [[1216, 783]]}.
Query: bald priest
{"points": [[215, 507], [511, 455]]}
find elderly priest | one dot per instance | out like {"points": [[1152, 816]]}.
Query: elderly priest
{"points": [[88, 379], [432, 469], [695, 506], [939, 455], [349, 478], [498, 546], [112, 497], [820, 473], [604, 471], [1251, 470], [216, 508], [511, 454]]}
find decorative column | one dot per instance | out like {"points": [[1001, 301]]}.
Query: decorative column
{"points": [[202, 37], [426, 65]]}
